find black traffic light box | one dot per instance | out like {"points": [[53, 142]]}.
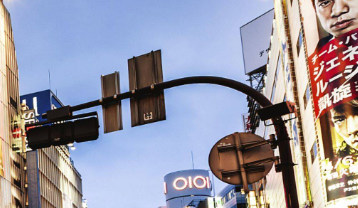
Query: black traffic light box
{"points": [[39, 137], [85, 129], [61, 134], [80, 130]]}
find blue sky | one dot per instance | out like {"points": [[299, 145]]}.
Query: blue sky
{"points": [[79, 40]]}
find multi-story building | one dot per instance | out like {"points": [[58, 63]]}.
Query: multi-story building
{"points": [[233, 196], [313, 62], [12, 156], [192, 189], [53, 180], [187, 188]]}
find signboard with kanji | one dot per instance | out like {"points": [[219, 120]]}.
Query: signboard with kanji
{"points": [[333, 69]]}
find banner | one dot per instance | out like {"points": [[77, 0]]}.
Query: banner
{"points": [[333, 70]]}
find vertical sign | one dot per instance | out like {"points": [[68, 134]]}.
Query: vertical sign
{"points": [[16, 134], [112, 113], [29, 117], [144, 71], [334, 84]]}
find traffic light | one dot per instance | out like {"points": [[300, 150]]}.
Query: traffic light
{"points": [[80, 130], [39, 137], [85, 129]]}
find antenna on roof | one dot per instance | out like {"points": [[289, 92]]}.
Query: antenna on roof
{"points": [[49, 79], [192, 159]]}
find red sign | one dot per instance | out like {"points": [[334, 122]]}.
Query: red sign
{"points": [[16, 133], [333, 70]]}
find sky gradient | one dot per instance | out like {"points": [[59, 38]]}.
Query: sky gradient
{"points": [[79, 40]]}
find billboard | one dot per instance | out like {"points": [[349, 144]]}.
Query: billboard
{"points": [[41, 102], [255, 41], [333, 73]]}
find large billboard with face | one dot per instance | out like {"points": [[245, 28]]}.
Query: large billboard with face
{"points": [[333, 68]]}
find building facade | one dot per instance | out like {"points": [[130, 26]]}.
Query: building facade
{"points": [[12, 153], [233, 197], [53, 180], [192, 189], [312, 62]]}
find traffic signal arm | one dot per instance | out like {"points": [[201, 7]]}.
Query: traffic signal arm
{"points": [[262, 100], [281, 131]]}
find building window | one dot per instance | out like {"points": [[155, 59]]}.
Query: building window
{"points": [[273, 91], [278, 68], [313, 152], [306, 96], [299, 42]]}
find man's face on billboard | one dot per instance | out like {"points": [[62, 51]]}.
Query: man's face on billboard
{"points": [[345, 123], [337, 16]]}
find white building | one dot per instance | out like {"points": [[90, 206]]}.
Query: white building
{"points": [[12, 149], [315, 70]]}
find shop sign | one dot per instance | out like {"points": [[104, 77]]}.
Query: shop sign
{"points": [[181, 183]]}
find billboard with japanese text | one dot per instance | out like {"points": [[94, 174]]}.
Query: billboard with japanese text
{"points": [[333, 68]]}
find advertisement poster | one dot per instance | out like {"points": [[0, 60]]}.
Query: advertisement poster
{"points": [[333, 70]]}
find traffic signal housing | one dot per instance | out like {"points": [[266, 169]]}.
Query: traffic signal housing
{"points": [[63, 132]]}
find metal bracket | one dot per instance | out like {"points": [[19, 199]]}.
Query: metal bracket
{"points": [[246, 146], [58, 113], [284, 121], [278, 167], [95, 114]]}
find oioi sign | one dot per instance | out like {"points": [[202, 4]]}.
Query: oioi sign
{"points": [[181, 183], [187, 183]]}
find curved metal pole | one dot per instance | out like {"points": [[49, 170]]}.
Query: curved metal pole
{"points": [[288, 176], [257, 96]]}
